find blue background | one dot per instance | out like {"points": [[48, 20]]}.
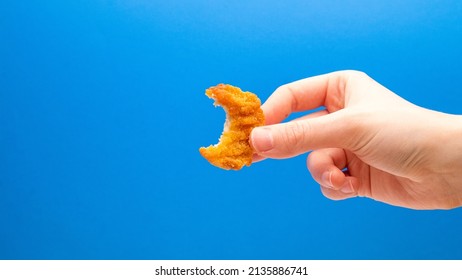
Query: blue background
{"points": [[102, 112]]}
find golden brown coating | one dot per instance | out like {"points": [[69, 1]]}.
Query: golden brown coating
{"points": [[243, 113]]}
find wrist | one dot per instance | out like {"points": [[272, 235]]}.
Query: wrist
{"points": [[448, 159]]}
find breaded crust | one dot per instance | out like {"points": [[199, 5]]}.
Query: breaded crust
{"points": [[243, 113]]}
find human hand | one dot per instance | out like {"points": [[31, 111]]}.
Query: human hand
{"points": [[367, 141]]}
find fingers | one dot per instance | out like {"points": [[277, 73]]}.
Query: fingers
{"points": [[293, 138], [296, 137], [326, 168], [257, 157], [307, 94]]}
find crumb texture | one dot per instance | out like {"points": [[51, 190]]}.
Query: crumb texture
{"points": [[243, 113]]}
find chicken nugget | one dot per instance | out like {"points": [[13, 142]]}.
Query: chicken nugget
{"points": [[243, 113]]}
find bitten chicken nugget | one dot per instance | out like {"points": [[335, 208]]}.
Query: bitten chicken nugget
{"points": [[243, 113]]}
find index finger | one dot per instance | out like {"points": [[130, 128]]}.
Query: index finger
{"points": [[326, 90]]}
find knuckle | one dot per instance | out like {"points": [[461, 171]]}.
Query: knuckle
{"points": [[358, 128], [354, 73], [296, 135], [311, 161], [345, 76], [292, 96], [281, 89]]}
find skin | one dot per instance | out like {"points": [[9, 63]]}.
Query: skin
{"points": [[367, 141]]}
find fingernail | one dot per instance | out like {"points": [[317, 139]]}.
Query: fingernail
{"points": [[262, 140], [326, 179], [347, 187]]}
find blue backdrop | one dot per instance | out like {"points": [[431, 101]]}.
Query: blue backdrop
{"points": [[102, 112]]}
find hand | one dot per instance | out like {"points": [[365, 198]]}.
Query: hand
{"points": [[366, 142]]}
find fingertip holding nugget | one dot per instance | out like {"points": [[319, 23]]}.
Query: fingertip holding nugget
{"points": [[243, 113]]}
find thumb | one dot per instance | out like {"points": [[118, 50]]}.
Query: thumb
{"points": [[335, 130]]}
